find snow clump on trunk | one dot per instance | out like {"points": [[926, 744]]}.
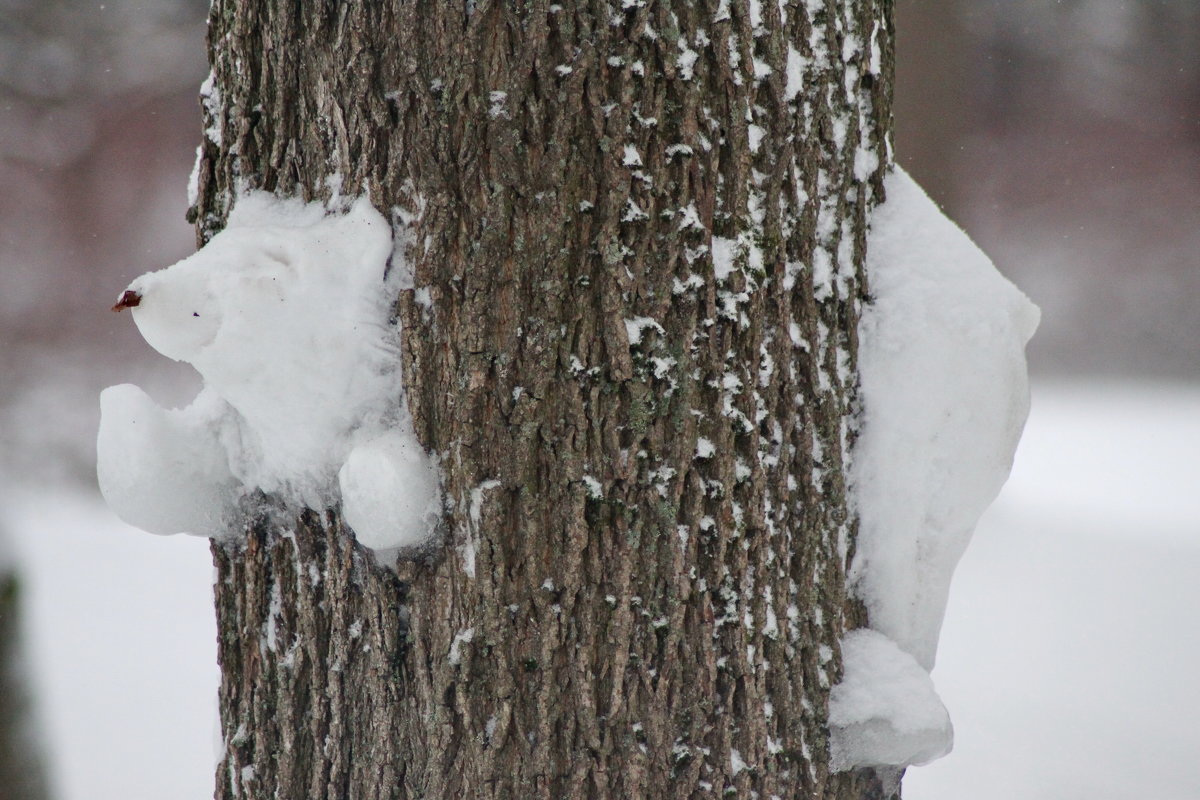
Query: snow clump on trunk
{"points": [[287, 315], [945, 394]]}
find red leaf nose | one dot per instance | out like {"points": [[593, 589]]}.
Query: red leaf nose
{"points": [[128, 299]]}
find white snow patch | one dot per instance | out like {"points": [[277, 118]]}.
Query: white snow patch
{"points": [[462, 637], [286, 315], [866, 161], [875, 64], [885, 711], [390, 494], [756, 134], [822, 273], [723, 252], [469, 548], [690, 218], [193, 184], [633, 212], [594, 489], [736, 762], [850, 48], [686, 62], [755, 14], [945, 395], [210, 98], [164, 471], [839, 131], [271, 626], [796, 66], [423, 298], [634, 328]]}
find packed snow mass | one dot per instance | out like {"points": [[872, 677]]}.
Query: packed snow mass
{"points": [[945, 393], [286, 316]]}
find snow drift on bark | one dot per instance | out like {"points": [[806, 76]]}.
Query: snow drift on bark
{"points": [[885, 711], [944, 395], [287, 316]]}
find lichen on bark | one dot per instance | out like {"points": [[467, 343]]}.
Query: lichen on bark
{"points": [[641, 586]]}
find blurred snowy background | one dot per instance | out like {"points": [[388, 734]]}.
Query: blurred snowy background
{"points": [[1064, 135]]}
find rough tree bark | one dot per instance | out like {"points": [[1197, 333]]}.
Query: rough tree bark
{"points": [[641, 585]]}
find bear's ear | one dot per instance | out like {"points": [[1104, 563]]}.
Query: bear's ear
{"points": [[128, 299]]}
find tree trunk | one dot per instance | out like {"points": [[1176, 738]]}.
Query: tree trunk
{"points": [[640, 587], [21, 773]]}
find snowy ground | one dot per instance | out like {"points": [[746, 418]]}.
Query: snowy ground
{"points": [[120, 631], [1068, 659], [1070, 655]]}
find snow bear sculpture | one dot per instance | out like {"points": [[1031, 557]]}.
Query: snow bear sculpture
{"points": [[944, 393], [286, 314]]}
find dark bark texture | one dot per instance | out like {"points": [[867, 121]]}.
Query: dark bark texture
{"points": [[637, 231]]}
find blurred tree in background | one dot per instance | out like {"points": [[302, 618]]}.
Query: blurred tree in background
{"points": [[1064, 136], [96, 138], [21, 773]]}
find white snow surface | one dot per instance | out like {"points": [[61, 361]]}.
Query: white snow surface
{"points": [[1071, 637], [885, 711], [286, 315], [944, 394], [389, 491], [165, 470], [120, 642]]}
